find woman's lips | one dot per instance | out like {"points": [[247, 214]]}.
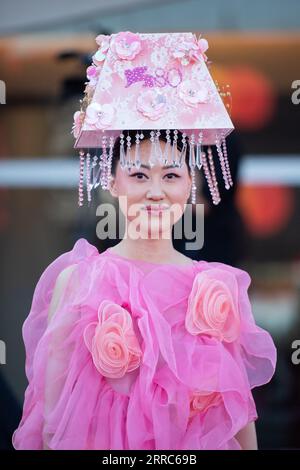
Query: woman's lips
{"points": [[155, 208]]}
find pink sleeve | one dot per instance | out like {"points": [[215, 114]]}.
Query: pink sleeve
{"points": [[35, 330], [254, 350]]}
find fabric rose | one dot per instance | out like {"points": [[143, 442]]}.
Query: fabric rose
{"points": [[99, 116], [202, 401], [112, 341], [77, 123], [193, 92], [151, 104], [92, 73], [100, 55], [189, 51], [203, 46], [126, 45], [213, 306]]}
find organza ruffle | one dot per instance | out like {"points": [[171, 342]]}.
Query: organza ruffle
{"points": [[69, 404]]}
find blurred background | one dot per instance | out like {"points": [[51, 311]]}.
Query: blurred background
{"points": [[45, 48]]}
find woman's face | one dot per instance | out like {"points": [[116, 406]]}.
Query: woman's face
{"points": [[152, 199]]}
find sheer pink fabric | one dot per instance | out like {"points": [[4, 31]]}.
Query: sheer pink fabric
{"points": [[70, 404]]}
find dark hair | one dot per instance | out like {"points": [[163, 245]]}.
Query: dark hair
{"points": [[146, 133]]}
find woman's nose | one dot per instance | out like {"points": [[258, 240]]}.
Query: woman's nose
{"points": [[156, 191]]}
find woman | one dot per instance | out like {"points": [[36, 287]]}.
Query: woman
{"points": [[139, 347]]}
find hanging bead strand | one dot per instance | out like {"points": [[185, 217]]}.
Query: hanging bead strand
{"points": [[129, 162], [207, 175], [222, 162], [88, 176], [192, 152], [152, 159], [137, 160], [199, 151], [216, 195], [194, 187], [109, 162], [81, 175], [167, 149], [174, 148], [159, 154], [183, 150], [122, 151], [103, 163], [223, 141]]}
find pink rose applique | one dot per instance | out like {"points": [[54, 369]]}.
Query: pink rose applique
{"points": [[100, 55], [77, 123], [99, 116], [203, 46], [112, 341], [152, 104], [92, 73], [126, 45], [213, 306], [188, 51], [202, 401], [193, 92]]}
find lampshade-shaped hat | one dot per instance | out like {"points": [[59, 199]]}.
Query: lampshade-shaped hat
{"points": [[151, 82]]}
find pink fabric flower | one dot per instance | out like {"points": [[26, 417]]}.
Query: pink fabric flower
{"points": [[112, 341], [100, 55], [126, 45], [77, 123], [189, 51], [213, 306], [203, 46], [193, 92], [92, 73], [152, 104], [99, 116], [202, 401]]}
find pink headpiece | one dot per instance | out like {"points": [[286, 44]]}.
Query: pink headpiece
{"points": [[154, 82]]}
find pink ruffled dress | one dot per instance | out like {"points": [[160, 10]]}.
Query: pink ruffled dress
{"points": [[140, 355]]}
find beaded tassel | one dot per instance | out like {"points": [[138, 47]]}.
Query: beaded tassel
{"points": [[192, 162], [103, 163], [174, 148], [129, 162], [122, 151], [137, 159], [159, 154], [194, 187], [208, 176], [167, 149], [88, 176], [223, 141], [222, 162], [95, 172], [216, 195], [81, 175], [183, 150], [152, 159], [109, 162], [199, 151]]}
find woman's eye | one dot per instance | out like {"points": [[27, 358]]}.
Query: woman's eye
{"points": [[172, 174], [137, 175]]}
